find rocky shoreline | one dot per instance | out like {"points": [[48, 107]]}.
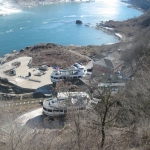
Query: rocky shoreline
{"points": [[111, 31]]}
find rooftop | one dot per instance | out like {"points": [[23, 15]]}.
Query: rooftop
{"points": [[111, 61], [67, 99]]}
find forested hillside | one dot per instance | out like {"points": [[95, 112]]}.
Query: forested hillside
{"points": [[143, 4]]}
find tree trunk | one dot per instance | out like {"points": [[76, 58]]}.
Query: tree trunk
{"points": [[103, 128], [103, 136]]}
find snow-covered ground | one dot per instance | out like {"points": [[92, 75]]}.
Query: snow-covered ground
{"points": [[119, 35]]}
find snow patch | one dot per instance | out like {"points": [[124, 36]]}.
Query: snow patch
{"points": [[119, 35]]}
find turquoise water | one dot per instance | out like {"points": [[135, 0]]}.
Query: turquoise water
{"points": [[56, 23]]}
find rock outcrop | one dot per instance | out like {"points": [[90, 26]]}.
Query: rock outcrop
{"points": [[78, 22]]}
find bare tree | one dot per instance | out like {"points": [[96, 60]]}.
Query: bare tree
{"points": [[105, 110]]}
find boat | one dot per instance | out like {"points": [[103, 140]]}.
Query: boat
{"points": [[65, 102], [76, 71]]}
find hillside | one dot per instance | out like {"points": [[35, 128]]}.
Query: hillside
{"points": [[128, 28], [52, 54], [116, 122]]}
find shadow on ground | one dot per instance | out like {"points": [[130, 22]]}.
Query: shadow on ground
{"points": [[46, 89], [42, 121], [43, 91]]}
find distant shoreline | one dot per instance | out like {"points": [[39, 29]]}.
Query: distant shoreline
{"points": [[23, 5], [132, 5], [27, 5]]}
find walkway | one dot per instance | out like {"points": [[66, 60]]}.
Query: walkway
{"points": [[21, 78]]}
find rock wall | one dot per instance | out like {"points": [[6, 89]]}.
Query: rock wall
{"points": [[6, 96]]}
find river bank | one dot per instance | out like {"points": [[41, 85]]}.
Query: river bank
{"points": [[141, 6], [111, 31], [30, 4], [126, 30]]}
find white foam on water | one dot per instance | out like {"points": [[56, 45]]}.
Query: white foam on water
{"points": [[8, 31], [44, 22], [82, 16], [70, 16], [23, 28], [7, 7]]}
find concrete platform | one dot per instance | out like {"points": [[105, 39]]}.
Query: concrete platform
{"points": [[89, 65], [21, 78]]}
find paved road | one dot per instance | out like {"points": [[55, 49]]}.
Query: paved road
{"points": [[33, 121]]}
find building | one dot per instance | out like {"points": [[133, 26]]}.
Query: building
{"points": [[109, 64]]}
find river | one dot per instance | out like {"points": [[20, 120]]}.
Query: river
{"points": [[56, 23]]}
